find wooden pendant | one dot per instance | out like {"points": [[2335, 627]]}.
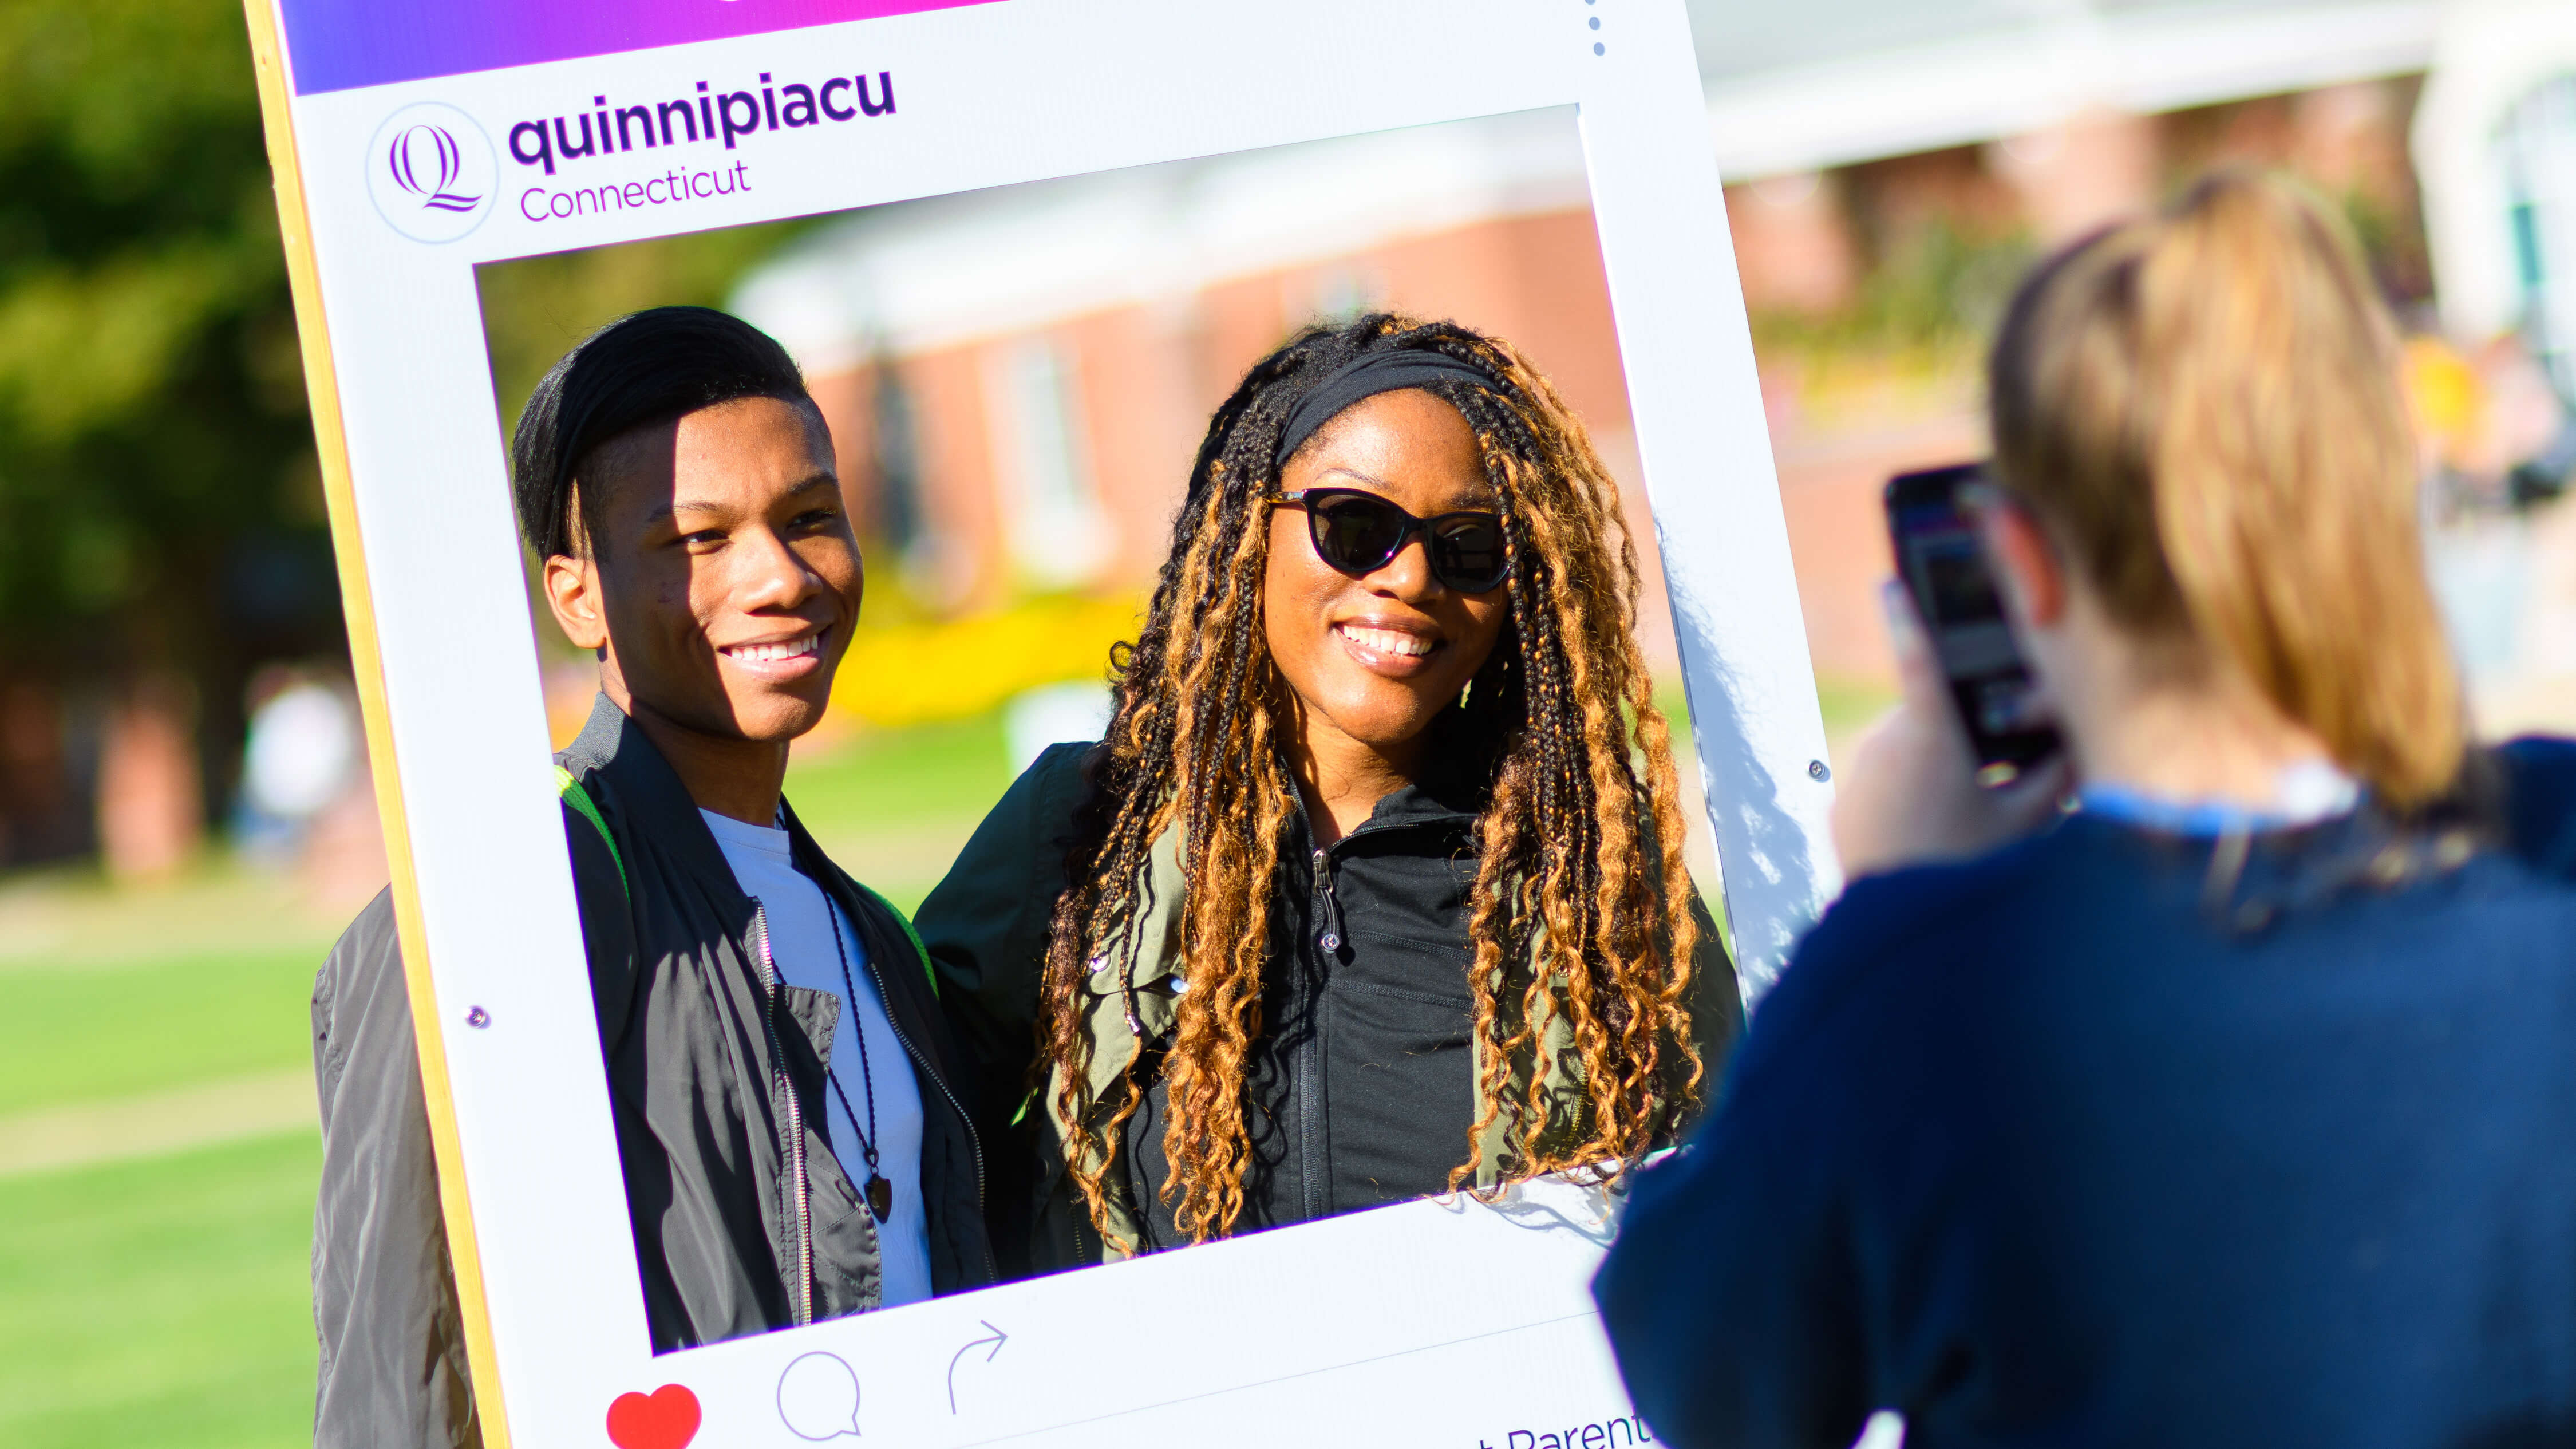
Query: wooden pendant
{"points": [[880, 1194]]}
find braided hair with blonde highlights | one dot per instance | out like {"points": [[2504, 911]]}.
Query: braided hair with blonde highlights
{"points": [[1581, 916]]}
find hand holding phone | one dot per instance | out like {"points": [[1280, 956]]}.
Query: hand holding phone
{"points": [[1909, 790], [1943, 566], [1921, 785]]}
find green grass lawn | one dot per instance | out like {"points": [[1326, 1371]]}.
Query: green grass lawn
{"points": [[74, 1032], [882, 783], [894, 806], [161, 1302]]}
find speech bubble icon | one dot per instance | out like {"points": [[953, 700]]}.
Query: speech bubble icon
{"points": [[818, 1396]]}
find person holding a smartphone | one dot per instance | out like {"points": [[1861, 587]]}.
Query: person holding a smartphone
{"points": [[2208, 1080]]}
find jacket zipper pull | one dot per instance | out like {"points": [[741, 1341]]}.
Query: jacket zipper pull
{"points": [[1331, 939]]}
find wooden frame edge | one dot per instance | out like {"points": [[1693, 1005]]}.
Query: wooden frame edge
{"points": [[366, 661]]}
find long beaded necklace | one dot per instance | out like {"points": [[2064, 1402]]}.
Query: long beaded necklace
{"points": [[879, 1192]]}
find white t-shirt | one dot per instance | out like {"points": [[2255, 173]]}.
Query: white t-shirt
{"points": [[800, 940]]}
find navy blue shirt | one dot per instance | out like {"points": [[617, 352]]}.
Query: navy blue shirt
{"points": [[2103, 1140]]}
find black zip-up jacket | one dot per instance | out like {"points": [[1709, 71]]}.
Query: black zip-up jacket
{"points": [[716, 1083], [1361, 1083]]}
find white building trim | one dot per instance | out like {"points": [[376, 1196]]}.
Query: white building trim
{"points": [[2491, 53], [924, 275], [2013, 80]]}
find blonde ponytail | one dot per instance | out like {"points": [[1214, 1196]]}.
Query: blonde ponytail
{"points": [[2205, 406]]}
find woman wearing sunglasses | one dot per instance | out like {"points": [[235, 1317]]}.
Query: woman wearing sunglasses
{"points": [[1375, 887]]}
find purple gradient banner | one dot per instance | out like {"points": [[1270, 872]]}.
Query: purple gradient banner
{"points": [[338, 45]]}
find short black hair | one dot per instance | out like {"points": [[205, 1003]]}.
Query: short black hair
{"points": [[640, 370]]}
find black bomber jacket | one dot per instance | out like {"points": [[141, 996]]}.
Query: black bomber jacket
{"points": [[1361, 1086], [734, 1081]]}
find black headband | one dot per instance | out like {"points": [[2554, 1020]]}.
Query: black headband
{"points": [[1367, 375]]}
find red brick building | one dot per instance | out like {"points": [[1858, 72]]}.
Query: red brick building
{"points": [[1017, 378]]}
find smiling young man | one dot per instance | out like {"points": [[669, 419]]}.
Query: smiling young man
{"points": [[778, 1070]]}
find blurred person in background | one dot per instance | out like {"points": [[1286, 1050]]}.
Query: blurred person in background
{"points": [[300, 755], [780, 1078], [1375, 887], [307, 799], [2232, 1107]]}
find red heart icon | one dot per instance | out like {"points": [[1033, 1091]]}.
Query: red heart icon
{"points": [[667, 1419]]}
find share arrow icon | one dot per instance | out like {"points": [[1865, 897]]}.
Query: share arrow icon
{"points": [[997, 1339]]}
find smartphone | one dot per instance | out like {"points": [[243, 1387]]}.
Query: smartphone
{"points": [[1943, 564]]}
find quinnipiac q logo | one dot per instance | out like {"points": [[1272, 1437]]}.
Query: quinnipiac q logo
{"points": [[412, 173], [432, 172]]}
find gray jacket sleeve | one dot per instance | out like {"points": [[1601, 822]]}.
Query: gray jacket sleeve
{"points": [[384, 1297], [384, 1292]]}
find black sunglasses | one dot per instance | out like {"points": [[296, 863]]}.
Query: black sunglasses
{"points": [[1358, 533]]}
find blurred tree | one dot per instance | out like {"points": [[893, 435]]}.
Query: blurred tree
{"points": [[160, 514]]}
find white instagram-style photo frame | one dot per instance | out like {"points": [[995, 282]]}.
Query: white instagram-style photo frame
{"points": [[1448, 1320]]}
